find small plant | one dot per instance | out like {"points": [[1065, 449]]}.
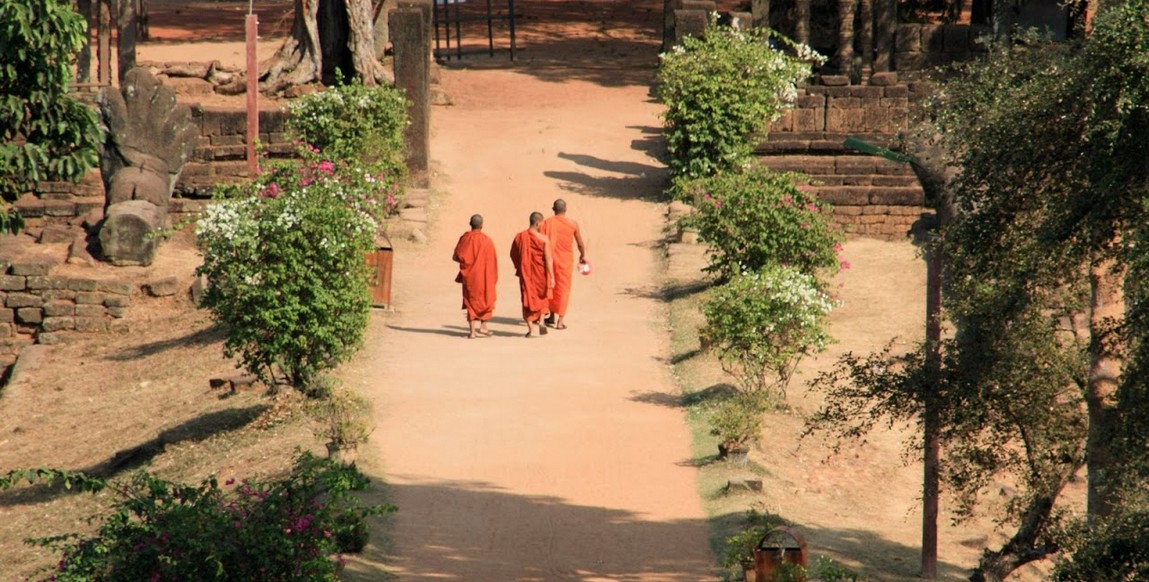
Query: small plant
{"points": [[355, 124], [827, 570], [762, 324], [756, 217], [721, 92], [737, 420], [739, 548], [343, 419], [284, 529]]}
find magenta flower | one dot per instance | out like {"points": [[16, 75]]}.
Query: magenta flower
{"points": [[844, 265]]}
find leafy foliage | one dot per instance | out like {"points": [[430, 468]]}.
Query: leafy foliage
{"points": [[739, 548], [285, 529], [754, 218], [284, 261], [44, 133], [722, 90], [737, 420], [342, 417], [1117, 549], [353, 122], [761, 324]]}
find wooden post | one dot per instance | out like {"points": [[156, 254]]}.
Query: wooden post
{"points": [[104, 43], [126, 47], [251, 29]]}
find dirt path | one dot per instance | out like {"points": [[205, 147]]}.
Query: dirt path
{"points": [[531, 459]]}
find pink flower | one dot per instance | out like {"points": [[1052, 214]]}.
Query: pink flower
{"points": [[272, 191], [838, 247], [811, 207], [327, 167], [305, 182], [844, 265]]}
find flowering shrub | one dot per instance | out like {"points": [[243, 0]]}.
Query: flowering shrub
{"points": [[722, 90], [355, 123], [286, 529], [756, 217], [761, 324], [283, 256]]}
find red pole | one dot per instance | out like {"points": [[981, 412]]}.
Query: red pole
{"points": [[251, 26]]}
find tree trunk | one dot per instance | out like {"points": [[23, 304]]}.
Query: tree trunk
{"points": [[325, 35], [866, 38], [1107, 310], [1023, 547]]}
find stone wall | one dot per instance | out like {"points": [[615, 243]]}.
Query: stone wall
{"points": [[922, 46], [37, 307], [871, 196]]}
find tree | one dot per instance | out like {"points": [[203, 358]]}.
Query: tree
{"points": [[1044, 262], [327, 36], [47, 135]]}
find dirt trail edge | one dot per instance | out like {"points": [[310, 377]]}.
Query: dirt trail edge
{"points": [[552, 458]]}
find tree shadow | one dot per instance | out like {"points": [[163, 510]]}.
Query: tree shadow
{"points": [[671, 292], [201, 337], [195, 430]]}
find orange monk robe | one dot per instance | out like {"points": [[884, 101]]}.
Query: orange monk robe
{"points": [[528, 253], [561, 231], [478, 272]]}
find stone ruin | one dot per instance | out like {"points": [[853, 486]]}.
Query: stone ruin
{"points": [[149, 138]]}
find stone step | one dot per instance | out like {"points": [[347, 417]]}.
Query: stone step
{"points": [[863, 195], [846, 165]]}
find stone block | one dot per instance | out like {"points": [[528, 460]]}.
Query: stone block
{"points": [[117, 301], [91, 311], [30, 206], [12, 283], [53, 234], [6, 330], [884, 79], [5, 264], [38, 283], [59, 309], [845, 195], [7, 315], [127, 236], [59, 294], [58, 323], [89, 298], [165, 287], [39, 267], [91, 324], [835, 80], [911, 61], [29, 315], [119, 326], [59, 208], [82, 285], [897, 196], [47, 338], [17, 300], [113, 286], [117, 312], [848, 211]]}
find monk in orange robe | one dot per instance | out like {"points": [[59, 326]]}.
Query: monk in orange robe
{"points": [[479, 274], [531, 254], [564, 235]]}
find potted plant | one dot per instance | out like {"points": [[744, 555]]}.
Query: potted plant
{"points": [[737, 422], [343, 418], [741, 546]]}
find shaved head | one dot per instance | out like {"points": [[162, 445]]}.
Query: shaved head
{"points": [[560, 206], [477, 222], [536, 218]]}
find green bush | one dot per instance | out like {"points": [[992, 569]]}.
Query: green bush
{"points": [[755, 218], [45, 134], [722, 90], [1116, 549], [285, 529], [737, 420], [354, 123], [762, 324], [284, 260]]}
